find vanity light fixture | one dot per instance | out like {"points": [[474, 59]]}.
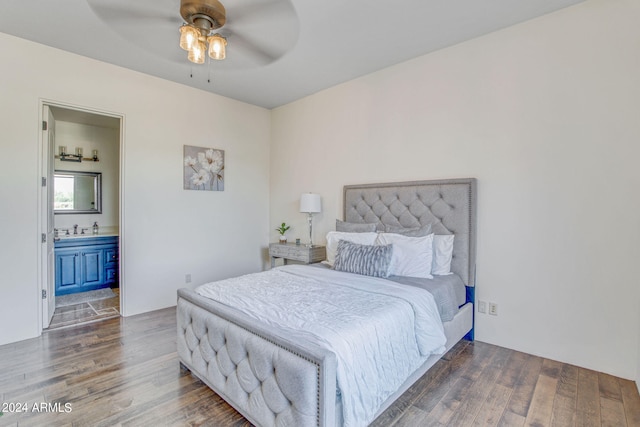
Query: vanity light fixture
{"points": [[77, 157], [310, 203]]}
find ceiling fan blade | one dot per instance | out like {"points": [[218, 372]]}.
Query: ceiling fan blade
{"points": [[259, 31], [247, 50], [152, 25], [261, 11], [111, 11]]}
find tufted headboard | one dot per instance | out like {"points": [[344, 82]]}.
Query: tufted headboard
{"points": [[448, 205]]}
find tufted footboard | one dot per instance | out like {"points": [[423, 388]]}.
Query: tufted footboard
{"points": [[267, 378]]}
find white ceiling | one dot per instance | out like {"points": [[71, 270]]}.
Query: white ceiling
{"points": [[278, 50]]}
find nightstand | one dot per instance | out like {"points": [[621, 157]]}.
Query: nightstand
{"points": [[291, 251]]}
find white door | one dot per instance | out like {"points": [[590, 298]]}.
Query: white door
{"points": [[48, 256]]}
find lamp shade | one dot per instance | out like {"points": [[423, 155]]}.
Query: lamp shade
{"points": [[310, 203], [188, 36], [217, 47], [198, 52]]}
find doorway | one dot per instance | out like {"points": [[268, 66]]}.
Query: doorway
{"points": [[81, 215]]}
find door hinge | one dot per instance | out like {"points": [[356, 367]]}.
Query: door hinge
{"points": [[44, 294], [44, 125], [44, 238], [44, 181]]}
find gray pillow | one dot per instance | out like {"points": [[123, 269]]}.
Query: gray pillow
{"points": [[368, 260], [353, 227], [422, 231]]}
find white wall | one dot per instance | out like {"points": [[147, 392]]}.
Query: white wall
{"points": [[166, 231], [545, 115], [107, 142]]}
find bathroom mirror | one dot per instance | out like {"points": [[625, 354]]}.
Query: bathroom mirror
{"points": [[77, 192]]}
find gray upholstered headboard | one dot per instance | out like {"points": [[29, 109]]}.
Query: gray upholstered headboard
{"points": [[448, 205]]}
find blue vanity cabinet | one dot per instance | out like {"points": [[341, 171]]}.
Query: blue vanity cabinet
{"points": [[86, 263], [111, 265], [67, 270]]}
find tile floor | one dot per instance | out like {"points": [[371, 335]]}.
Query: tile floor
{"points": [[86, 312]]}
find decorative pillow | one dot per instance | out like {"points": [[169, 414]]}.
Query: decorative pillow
{"points": [[353, 227], [333, 237], [442, 254], [411, 232], [368, 260], [412, 256]]}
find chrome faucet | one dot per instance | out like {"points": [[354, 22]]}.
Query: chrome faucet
{"points": [[75, 229]]}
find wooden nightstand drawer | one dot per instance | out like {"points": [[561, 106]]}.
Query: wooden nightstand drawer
{"points": [[301, 253]]}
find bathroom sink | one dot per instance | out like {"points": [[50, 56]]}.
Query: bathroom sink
{"points": [[85, 236]]}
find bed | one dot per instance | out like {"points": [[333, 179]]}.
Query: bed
{"points": [[277, 374]]}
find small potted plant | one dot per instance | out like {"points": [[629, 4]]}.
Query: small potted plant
{"points": [[283, 229]]}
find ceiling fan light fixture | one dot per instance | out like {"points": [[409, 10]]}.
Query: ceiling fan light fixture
{"points": [[201, 19], [217, 46], [188, 36], [197, 52]]}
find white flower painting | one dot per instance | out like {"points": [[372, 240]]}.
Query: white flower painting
{"points": [[203, 169]]}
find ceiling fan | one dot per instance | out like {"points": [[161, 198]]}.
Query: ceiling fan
{"points": [[202, 17], [258, 32]]}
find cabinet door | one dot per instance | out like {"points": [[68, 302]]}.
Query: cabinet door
{"points": [[67, 272], [92, 267]]}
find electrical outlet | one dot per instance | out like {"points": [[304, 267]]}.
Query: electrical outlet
{"points": [[493, 309], [187, 278], [482, 306]]}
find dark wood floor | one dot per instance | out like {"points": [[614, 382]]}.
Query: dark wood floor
{"points": [[124, 371]]}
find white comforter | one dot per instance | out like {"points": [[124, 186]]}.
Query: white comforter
{"points": [[380, 331]]}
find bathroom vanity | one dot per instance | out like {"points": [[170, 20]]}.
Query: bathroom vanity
{"points": [[85, 263]]}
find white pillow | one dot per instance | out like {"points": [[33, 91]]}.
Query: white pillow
{"points": [[442, 254], [333, 237], [412, 256]]}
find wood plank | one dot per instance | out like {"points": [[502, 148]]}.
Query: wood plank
{"points": [[588, 402], [493, 407], [551, 368], [631, 401], [612, 413], [564, 405], [609, 387], [539, 413], [477, 393], [448, 405], [509, 419], [444, 380], [524, 387], [414, 417], [513, 369]]}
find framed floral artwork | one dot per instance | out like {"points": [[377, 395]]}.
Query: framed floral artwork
{"points": [[203, 169]]}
